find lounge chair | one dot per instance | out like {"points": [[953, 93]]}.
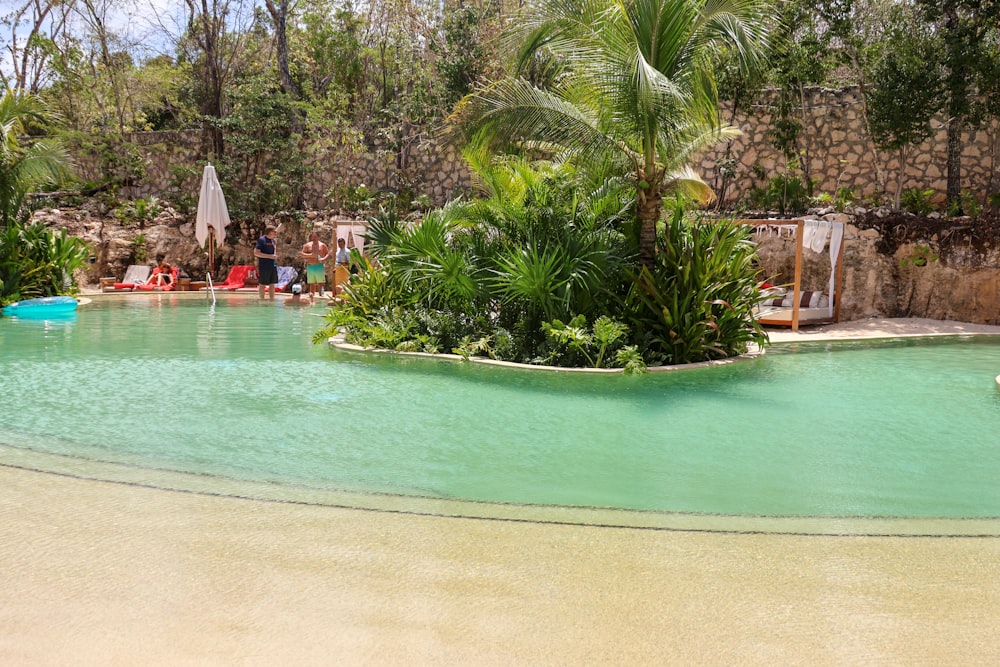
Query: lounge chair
{"points": [[237, 277], [150, 285], [136, 274], [286, 275]]}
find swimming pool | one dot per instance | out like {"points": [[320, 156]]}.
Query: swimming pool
{"points": [[236, 399]]}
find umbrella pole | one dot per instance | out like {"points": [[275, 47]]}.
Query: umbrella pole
{"points": [[211, 251]]}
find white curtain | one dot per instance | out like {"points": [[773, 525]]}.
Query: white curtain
{"points": [[836, 239], [358, 232]]}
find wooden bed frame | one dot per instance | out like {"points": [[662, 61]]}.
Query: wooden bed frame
{"points": [[797, 311]]}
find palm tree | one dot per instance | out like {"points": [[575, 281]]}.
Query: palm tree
{"points": [[636, 89], [24, 167]]}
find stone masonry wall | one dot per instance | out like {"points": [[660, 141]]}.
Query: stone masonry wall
{"points": [[836, 149], [434, 168]]}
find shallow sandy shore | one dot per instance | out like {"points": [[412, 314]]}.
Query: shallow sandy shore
{"points": [[105, 573]]}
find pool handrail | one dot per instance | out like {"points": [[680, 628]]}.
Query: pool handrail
{"points": [[211, 287]]}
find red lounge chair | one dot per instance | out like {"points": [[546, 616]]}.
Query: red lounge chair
{"points": [[237, 277], [136, 275]]}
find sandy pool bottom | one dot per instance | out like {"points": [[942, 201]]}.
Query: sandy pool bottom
{"points": [[104, 573]]}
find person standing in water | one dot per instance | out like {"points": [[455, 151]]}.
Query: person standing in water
{"points": [[266, 253], [342, 266], [316, 253]]}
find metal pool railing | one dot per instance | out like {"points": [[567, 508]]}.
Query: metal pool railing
{"points": [[211, 287]]}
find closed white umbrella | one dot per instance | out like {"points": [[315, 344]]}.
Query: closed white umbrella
{"points": [[213, 215]]}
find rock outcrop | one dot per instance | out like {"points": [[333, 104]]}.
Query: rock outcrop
{"points": [[171, 236]]}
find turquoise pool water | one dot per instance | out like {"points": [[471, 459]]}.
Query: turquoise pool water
{"points": [[238, 391]]}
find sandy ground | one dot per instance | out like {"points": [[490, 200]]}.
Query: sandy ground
{"points": [[881, 328], [94, 572]]}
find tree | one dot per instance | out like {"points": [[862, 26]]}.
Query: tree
{"points": [[639, 90], [967, 27], [216, 30], [280, 11], [907, 87], [35, 26], [463, 46], [988, 84], [801, 57]]}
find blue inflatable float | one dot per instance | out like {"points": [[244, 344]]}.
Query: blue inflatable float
{"points": [[45, 308]]}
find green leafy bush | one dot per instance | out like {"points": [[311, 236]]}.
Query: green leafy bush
{"points": [[518, 275], [696, 302], [917, 201], [574, 340], [784, 193], [36, 262]]}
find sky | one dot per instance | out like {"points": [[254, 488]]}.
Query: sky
{"points": [[149, 27]]}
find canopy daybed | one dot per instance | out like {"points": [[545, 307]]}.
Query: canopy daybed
{"points": [[795, 306]]}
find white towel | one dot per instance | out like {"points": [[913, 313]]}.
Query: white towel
{"points": [[815, 234]]}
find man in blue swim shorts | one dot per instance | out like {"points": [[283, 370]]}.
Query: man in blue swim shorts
{"points": [[316, 253]]}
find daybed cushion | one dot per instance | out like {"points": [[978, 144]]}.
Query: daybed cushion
{"points": [[807, 299]]}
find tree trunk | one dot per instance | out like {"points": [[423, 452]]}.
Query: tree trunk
{"points": [[900, 174], [955, 125], [804, 158], [279, 14], [207, 24], [648, 208], [957, 94]]}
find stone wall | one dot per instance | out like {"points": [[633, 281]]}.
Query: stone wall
{"points": [[941, 276], [838, 151], [433, 168], [836, 148]]}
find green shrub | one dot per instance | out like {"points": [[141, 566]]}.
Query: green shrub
{"points": [[696, 302], [568, 342], [36, 262], [916, 201], [784, 193]]}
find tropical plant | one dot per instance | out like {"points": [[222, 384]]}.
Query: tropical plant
{"points": [[917, 201], [783, 192], [636, 90], [138, 211], [695, 303], [594, 346], [33, 260], [23, 167], [36, 262], [491, 271], [922, 255]]}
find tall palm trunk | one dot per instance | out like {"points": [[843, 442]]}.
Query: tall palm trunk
{"points": [[648, 209]]}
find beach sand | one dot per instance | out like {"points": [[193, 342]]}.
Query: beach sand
{"points": [[106, 573]]}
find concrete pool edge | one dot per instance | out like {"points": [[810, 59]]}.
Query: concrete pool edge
{"points": [[868, 329], [337, 343], [256, 491]]}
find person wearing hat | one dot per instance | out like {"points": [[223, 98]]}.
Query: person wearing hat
{"points": [[296, 294]]}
